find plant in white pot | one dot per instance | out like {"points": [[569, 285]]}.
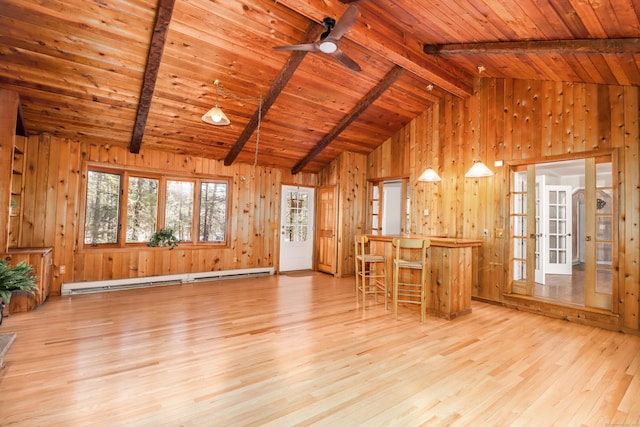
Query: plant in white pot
{"points": [[17, 278]]}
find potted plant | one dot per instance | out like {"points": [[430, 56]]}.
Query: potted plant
{"points": [[164, 237], [17, 278]]}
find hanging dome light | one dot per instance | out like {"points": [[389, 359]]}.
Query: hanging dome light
{"points": [[216, 116], [479, 170], [429, 175]]}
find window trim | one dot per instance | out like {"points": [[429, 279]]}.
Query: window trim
{"points": [[163, 177], [405, 207]]}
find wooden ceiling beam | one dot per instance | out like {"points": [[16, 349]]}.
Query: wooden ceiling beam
{"points": [[591, 46], [384, 84], [313, 31], [391, 43], [160, 28]]}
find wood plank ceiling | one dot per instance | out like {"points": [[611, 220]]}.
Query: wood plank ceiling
{"points": [[85, 69]]}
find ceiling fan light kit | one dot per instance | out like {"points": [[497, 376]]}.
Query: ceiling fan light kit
{"points": [[327, 47], [328, 43]]}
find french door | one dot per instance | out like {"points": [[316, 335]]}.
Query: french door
{"points": [[557, 207], [557, 236]]}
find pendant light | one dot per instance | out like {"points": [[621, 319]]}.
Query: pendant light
{"points": [[479, 169], [216, 116], [430, 175]]}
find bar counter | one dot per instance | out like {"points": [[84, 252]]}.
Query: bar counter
{"points": [[451, 261]]}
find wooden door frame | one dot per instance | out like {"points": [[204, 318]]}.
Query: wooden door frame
{"points": [[525, 165]]}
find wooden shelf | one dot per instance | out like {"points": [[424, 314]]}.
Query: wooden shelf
{"points": [[13, 160]]}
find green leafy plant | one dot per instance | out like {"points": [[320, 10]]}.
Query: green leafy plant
{"points": [[164, 237], [17, 278]]}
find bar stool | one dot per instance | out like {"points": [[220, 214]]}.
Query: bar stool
{"points": [[369, 279], [410, 254]]}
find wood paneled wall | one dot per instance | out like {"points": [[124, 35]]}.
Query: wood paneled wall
{"points": [[54, 189], [348, 171], [518, 120]]}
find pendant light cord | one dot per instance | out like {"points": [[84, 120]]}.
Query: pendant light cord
{"points": [[242, 99], [255, 159]]}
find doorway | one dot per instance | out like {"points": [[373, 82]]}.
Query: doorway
{"points": [[389, 206], [392, 207], [296, 228], [565, 223]]}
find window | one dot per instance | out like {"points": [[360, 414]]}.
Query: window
{"points": [[142, 208], [179, 209], [103, 206], [123, 208], [296, 217], [213, 212]]}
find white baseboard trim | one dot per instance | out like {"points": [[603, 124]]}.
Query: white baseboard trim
{"points": [[169, 279]]}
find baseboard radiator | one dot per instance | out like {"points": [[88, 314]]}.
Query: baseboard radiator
{"points": [[170, 279]]}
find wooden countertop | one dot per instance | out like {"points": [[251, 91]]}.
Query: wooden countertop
{"points": [[28, 251], [438, 241]]}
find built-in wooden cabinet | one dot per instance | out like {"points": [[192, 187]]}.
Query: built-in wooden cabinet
{"points": [[13, 152], [9, 107], [41, 260]]}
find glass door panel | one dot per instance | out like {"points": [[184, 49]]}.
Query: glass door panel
{"points": [[540, 231], [599, 295], [558, 223], [374, 207], [522, 271]]}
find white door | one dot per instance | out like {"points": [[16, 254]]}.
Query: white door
{"points": [[558, 229], [296, 228]]}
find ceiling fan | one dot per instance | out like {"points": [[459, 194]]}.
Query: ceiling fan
{"points": [[328, 43]]}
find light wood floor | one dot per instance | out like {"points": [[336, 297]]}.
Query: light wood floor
{"points": [[286, 351], [569, 289]]}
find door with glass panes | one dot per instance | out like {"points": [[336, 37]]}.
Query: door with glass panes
{"points": [[562, 240], [296, 228]]}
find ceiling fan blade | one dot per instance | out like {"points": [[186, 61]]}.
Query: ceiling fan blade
{"points": [[343, 25], [339, 56], [310, 47]]}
